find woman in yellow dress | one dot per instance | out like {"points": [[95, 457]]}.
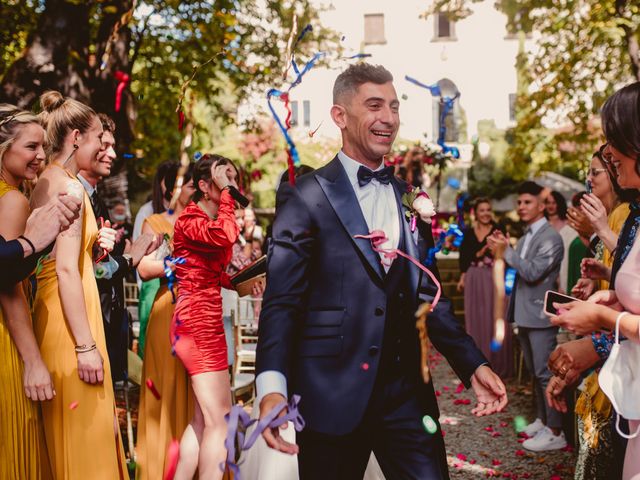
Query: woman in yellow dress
{"points": [[23, 453], [81, 429], [164, 419]]}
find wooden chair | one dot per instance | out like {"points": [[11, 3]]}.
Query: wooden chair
{"points": [[246, 340]]}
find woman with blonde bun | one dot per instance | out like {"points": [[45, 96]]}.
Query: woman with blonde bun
{"points": [[23, 375], [81, 429]]}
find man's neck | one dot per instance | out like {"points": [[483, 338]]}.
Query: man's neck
{"points": [[357, 157], [91, 180]]}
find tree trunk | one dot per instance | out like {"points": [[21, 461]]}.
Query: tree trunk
{"points": [[57, 58]]}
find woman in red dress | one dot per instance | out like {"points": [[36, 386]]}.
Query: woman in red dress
{"points": [[204, 235]]}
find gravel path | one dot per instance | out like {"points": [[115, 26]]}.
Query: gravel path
{"points": [[489, 446]]}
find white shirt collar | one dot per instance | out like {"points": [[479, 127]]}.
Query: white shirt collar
{"points": [[351, 166], [87, 186], [537, 225]]}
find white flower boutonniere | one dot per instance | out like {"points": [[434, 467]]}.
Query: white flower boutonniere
{"points": [[419, 205]]}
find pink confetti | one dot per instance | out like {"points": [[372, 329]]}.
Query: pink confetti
{"points": [[173, 455], [472, 461], [495, 462], [462, 456], [459, 388], [461, 401], [445, 388], [438, 393], [73, 405], [443, 433], [555, 477], [504, 424], [568, 448], [524, 435], [521, 440], [488, 429], [496, 434], [152, 388], [526, 475], [507, 475], [520, 453], [364, 366]]}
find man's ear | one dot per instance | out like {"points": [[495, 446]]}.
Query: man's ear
{"points": [[338, 115]]}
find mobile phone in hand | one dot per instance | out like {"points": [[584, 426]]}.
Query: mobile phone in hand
{"points": [[551, 297]]}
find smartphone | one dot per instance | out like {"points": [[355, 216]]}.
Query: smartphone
{"points": [[551, 297], [588, 186]]}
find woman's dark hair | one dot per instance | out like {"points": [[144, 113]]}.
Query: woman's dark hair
{"points": [[624, 195], [561, 202], [157, 198], [170, 179], [621, 121], [202, 171]]}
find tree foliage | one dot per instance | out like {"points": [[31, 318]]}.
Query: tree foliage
{"points": [[61, 44], [585, 50]]}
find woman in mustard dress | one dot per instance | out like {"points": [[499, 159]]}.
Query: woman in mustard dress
{"points": [[81, 429], [164, 419], [23, 375]]}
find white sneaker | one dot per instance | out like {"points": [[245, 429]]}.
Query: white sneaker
{"points": [[545, 440], [533, 428]]}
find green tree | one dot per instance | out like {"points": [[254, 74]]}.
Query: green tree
{"points": [[585, 50], [78, 46]]}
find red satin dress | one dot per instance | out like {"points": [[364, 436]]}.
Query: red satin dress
{"points": [[197, 331]]}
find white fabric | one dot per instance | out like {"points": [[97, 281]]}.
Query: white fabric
{"points": [[262, 463], [533, 229], [87, 186], [378, 204], [146, 210], [619, 379]]}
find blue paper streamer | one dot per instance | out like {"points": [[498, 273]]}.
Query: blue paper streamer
{"points": [[509, 280], [453, 230], [170, 274]]}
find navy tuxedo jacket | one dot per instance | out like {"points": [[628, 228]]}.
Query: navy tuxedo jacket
{"points": [[325, 305]]}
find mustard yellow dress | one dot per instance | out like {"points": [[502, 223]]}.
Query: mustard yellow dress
{"points": [[22, 450], [83, 438], [160, 421]]}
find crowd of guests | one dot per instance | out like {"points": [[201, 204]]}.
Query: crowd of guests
{"points": [[64, 331], [587, 250]]}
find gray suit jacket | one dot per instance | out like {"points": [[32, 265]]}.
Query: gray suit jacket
{"points": [[537, 273]]}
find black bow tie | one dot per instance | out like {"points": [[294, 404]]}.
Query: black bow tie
{"points": [[383, 176]]}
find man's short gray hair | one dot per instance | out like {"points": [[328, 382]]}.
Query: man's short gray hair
{"points": [[357, 74]]}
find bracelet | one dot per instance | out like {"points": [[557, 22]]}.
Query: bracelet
{"points": [[33, 248], [85, 348]]}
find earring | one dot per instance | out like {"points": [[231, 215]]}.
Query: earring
{"points": [[206, 196], [75, 146]]}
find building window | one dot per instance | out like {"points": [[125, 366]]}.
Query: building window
{"points": [[444, 29], [306, 113], [294, 113], [512, 107], [374, 29]]}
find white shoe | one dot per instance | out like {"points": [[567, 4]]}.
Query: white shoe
{"points": [[545, 440], [533, 428]]}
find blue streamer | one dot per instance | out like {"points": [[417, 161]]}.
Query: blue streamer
{"points": [[170, 274], [453, 230], [509, 280], [358, 55], [434, 89]]}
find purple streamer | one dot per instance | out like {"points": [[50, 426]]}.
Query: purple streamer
{"points": [[239, 421], [170, 274]]}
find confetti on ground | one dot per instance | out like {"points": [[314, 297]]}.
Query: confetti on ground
{"points": [[152, 388], [73, 405]]}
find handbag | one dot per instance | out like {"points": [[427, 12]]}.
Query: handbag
{"points": [[619, 379]]}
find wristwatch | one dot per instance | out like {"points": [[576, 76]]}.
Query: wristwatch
{"points": [[129, 260]]}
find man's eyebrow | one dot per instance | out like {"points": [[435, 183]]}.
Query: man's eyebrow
{"points": [[374, 99]]}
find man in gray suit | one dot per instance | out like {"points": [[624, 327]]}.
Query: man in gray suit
{"points": [[537, 260]]}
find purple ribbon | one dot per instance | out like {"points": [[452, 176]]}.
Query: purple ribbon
{"points": [[170, 274], [239, 421]]}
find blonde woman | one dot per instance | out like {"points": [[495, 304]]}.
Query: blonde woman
{"points": [[81, 429]]}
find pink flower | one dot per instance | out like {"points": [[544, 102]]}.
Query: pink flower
{"points": [[461, 456]]}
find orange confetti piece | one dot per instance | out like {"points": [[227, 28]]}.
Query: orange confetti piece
{"points": [[73, 405]]}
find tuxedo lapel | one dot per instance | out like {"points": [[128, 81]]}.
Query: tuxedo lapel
{"points": [[410, 245], [339, 192]]}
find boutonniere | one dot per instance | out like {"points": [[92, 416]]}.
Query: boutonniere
{"points": [[419, 205]]}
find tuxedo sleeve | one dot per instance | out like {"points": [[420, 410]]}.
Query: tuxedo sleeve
{"points": [[287, 286]]}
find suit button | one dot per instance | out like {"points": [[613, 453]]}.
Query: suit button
{"points": [[373, 350], [401, 296], [379, 311]]}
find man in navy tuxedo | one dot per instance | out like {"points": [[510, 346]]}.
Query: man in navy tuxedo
{"points": [[337, 324]]}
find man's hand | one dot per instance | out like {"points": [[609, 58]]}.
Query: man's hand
{"points": [[37, 381], [555, 394], [106, 237], [572, 358], [272, 435], [45, 223], [489, 390], [144, 245], [497, 243]]}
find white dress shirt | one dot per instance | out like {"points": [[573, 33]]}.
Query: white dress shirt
{"points": [[380, 210], [531, 231]]}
